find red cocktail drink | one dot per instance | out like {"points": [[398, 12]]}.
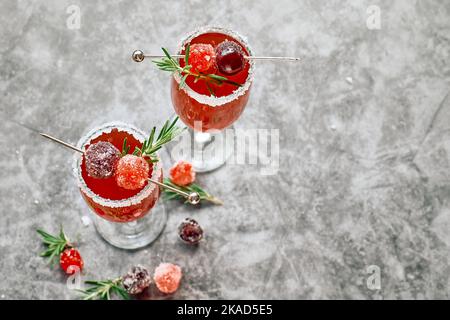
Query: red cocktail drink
{"points": [[127, 225], [195, 103]]}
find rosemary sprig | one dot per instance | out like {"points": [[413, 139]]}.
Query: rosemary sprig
{"points": [[55, 244], [152, 144], [168, 63], [170, 195], [104, 289]]}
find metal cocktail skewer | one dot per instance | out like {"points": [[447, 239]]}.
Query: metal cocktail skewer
{"points": [[139, 56], [192, 198]]}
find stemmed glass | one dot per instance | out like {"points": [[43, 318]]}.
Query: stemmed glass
{"points": [[127, 219], [207, 115]]}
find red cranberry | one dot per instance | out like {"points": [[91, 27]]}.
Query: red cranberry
{"points": [[136, 280], [190, 231], [101, 158], [230, 57]]}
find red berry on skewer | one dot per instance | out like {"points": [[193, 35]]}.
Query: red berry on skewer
{"points": [[101, 158], [71, 261], [230, 57], [201, 57], [131, 172]]}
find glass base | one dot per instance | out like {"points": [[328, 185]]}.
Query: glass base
{"points": [[206, 151], [135, 234]]}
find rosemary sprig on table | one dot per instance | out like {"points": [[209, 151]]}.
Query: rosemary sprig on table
{"points": [[168, 63], [55, 244], [170, 195], [104, 289], [152, 144]]}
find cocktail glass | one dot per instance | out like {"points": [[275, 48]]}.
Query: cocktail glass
{"points": [[128, 219], [208, 115]]}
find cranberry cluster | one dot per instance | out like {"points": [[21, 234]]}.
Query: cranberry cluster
{"points": [[228, 57]]}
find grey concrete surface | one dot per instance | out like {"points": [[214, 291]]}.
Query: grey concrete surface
{"points": [[364, 146]]}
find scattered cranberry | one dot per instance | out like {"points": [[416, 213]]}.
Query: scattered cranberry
{"points": [[201, 57], [101, 158], [182, 173], [132, 172], [71, 261], [230, 57], [167, 277], [190, 231], [136, 280]]}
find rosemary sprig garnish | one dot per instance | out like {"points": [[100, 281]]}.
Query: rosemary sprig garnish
{"points": [[104, 289], [55, 244], [170, 195], [152, 144], [168, 63]]}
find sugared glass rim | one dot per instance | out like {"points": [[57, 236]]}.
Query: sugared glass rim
{"points": [[95, 133], [210, 100]]}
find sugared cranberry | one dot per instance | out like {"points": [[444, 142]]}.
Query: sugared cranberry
{"points": [[182, 173], [190, 231], [70, 261], [101, 158], [167, 277], [131, 172], [229, 57], [201, 57], [136, 280]]}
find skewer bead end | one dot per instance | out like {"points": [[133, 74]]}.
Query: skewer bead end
{"points": [[138, 56]]}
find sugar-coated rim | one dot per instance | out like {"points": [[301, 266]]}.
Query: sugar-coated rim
{"points": [[209, 100], [95, 133]]}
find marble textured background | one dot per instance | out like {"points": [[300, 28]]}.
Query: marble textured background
{"points": [[364, 146]]}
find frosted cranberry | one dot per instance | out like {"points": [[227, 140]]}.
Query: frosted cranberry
{"points": [[136, 280], [132, 172], [167, 277], [201, 57], [190, 231], [229, 57], [182, 173], [101, 158]]}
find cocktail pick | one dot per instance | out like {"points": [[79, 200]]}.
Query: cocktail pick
{"points": [[139, 56], [192, 198]]}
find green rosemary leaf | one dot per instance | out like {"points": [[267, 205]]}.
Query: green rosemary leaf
{"points": [[166, 53], [186, 55], [125, 147], [55, 244], [151, 145], [216, 77], [233, 83], [149, 142], [210, 89], [162, 131], [103, 289], [183, 81], [137, 151]]}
